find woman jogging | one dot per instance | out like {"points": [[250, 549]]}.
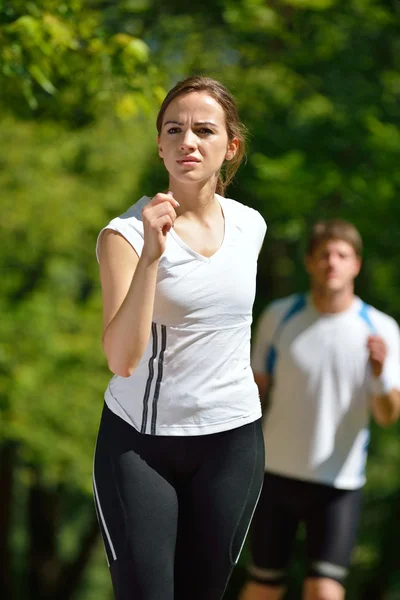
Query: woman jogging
{"points": [[179, 458]]}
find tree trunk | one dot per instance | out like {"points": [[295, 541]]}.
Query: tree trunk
{"points": [[71, 575], [377, 588], [48, 578], [7, 464], [43, 565]]}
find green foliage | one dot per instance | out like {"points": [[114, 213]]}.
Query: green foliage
{"points": [[318, 86], [62, 60], [59, 188]]}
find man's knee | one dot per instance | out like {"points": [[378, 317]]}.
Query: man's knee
{"points": [[259, 591], [316, 588]]}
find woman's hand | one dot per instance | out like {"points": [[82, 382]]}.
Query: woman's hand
{"points": [[158, 217]]}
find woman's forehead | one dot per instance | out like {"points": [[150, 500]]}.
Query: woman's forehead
{"points": [[196, 107]]}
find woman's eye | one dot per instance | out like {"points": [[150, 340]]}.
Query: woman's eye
{"points": [[205, 130], [174, 130]]}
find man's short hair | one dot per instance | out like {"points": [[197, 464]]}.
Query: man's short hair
{"points": [[334, 229]]}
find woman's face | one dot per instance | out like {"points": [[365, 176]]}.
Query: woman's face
{"points": [[193, 142]]}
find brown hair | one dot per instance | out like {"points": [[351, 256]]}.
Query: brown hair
{"points": [[334, 229], [234, 128]]}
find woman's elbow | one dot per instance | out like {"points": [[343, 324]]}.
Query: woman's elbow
{"points": [[119, 365], [121, 369], [127, 373]]}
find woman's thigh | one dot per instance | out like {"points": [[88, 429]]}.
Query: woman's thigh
{"points": [[138, 513], [215, 511]]}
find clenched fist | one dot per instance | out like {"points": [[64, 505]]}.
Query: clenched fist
{"points": [[158, 217], [377, 354]]}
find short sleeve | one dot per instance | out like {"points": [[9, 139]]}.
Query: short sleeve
{"points": [[248, 220], [129, 225], [260, 232], [391, 367], [132, 236]]}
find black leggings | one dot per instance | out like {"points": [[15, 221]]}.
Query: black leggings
{"points": [[174, 511]]}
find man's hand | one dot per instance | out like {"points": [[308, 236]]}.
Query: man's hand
{"points": [[377, 354]]}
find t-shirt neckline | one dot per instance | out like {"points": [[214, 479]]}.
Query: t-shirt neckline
{"points": [[354, 306], [197, 255]]}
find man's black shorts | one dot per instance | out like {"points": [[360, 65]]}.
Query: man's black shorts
{"points": [[330, 516]]}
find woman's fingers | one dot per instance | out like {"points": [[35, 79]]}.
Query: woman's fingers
{"points": [[160, 205], [161, 197], [158, 218], [155, 218]]}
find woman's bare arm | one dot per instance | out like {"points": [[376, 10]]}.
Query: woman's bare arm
{"points": [[128, 286]]}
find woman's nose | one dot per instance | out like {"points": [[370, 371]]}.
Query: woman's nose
{"points": [[189, 140]]}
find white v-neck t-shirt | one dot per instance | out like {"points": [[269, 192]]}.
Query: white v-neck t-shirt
{"points": [[317, 425], [195, 376]]}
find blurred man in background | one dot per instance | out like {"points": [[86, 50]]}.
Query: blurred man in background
{"points": [[333, 360]]}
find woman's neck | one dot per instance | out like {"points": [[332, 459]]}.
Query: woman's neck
{"points": [[197, 201]]}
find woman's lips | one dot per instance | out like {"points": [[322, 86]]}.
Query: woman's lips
{"points": [[188, 160]]}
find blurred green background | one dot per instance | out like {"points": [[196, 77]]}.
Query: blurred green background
{"points": [[318, 86]]}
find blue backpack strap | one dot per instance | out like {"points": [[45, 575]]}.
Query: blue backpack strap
{"points": [[272, 354], [270, 360], [364, 314]]}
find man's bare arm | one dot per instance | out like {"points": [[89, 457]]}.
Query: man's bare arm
{"points": [[385, 401], [385, 408]]}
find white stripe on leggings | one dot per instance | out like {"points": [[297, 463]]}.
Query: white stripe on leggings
{"points": [[100, 514], [248, 527], [98, 519]]}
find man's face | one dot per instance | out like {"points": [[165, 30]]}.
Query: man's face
{"points": [[333, 265]]}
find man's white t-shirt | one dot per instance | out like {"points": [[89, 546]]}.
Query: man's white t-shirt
{"points": [[195, 376], [317, 424]]}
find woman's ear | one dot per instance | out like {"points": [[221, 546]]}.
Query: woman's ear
{"points": [[160, 150], [232, 148]]}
